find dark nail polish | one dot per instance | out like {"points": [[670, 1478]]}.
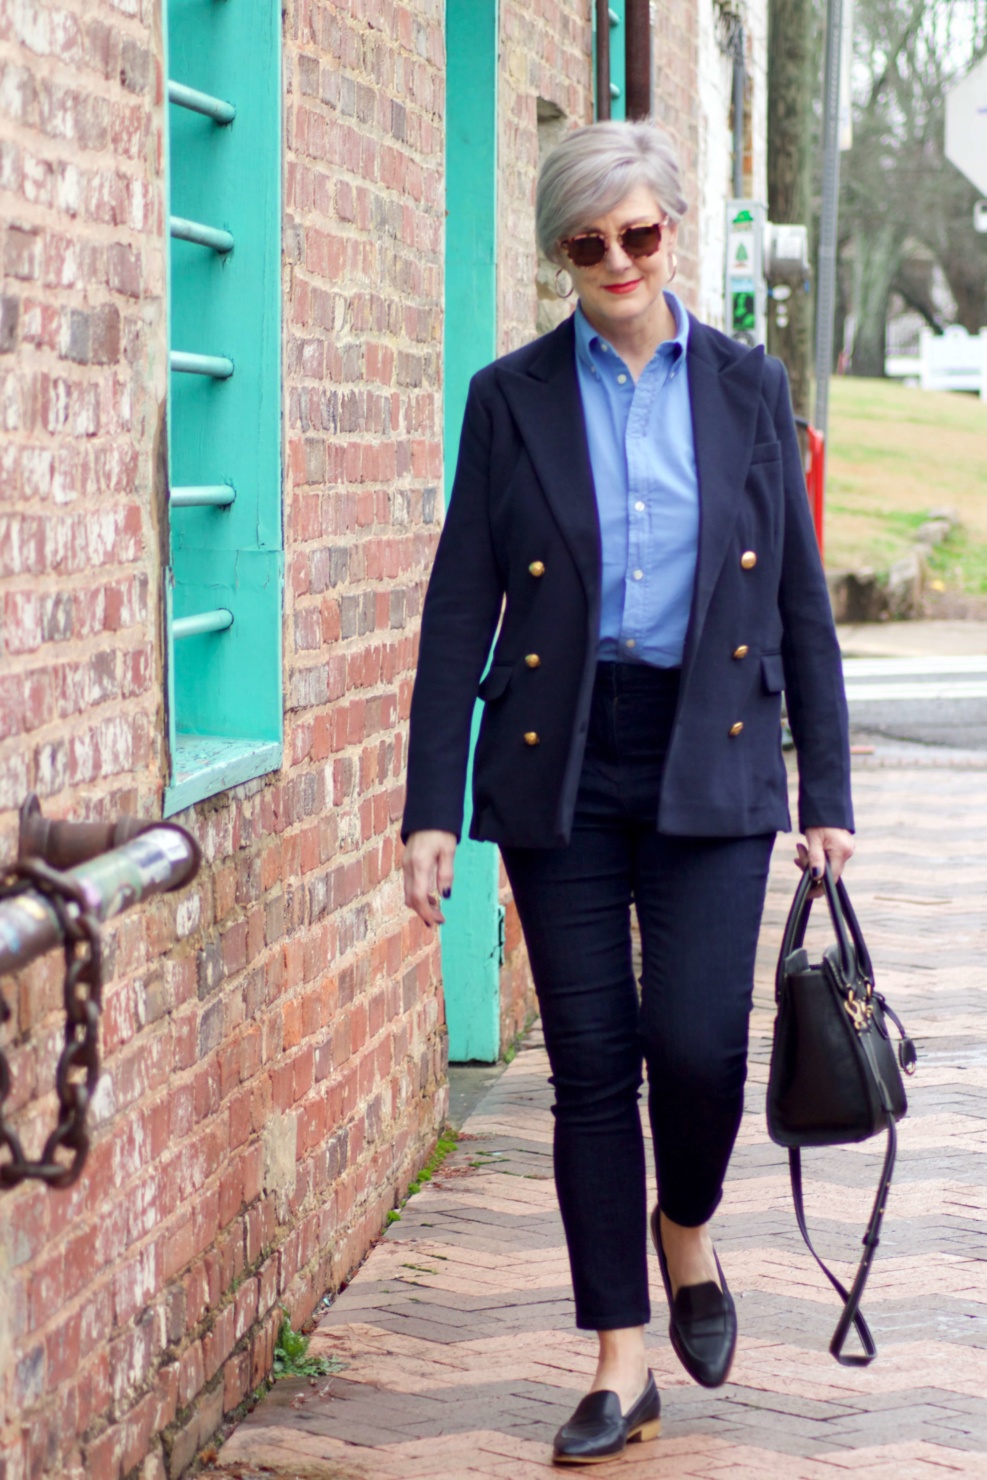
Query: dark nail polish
{"points": [[447, 894], [816, 872]]}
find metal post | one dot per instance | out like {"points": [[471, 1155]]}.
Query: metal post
{"points": [[202, 495], [203, 622], [602, 60], [826, 275], [202, 235], [637, 42], [738, 111], [220, 367], [159, 859], [199, 102]]}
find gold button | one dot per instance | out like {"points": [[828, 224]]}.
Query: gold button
{"points": [[536, 568], [531, 737], [748, 560], [533, 660], [741, 651], [736, 729]]}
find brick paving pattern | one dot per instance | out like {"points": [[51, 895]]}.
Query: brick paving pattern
{"points": [[457, 1333]]}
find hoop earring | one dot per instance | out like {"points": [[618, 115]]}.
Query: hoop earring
{"points": [[561, 272], [673, 259]]}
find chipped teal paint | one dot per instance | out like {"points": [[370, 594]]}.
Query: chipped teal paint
{"points": [[225, 687], [470, 938], [217, 764]]}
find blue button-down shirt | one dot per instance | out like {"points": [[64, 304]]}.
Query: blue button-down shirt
{"points": [[644, 468]]}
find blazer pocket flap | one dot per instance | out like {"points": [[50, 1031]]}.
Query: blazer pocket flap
{"points": [[772, 673], [765, 452], [496, 681]]}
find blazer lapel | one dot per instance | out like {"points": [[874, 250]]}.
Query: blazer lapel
{"points": [[724, 396], [548, 411]]}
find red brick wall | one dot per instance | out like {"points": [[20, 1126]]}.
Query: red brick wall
{"points": [[546, 52], [273, 1049]]}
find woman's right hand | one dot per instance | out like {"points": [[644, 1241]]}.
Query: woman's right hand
{"points": [[427, 869]]}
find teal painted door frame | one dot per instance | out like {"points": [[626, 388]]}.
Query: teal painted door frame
{"points": [[472, 935], [618, 59]]}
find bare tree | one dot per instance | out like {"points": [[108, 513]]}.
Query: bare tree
{"points": [[898, 188], [794, 81]]}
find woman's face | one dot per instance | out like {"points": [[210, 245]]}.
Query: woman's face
{"points": [[624, 293]]}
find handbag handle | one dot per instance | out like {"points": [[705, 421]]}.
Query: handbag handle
{"points": [[845, 924]]}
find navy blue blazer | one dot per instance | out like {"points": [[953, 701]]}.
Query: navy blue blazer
{"points": [[521, 547]]}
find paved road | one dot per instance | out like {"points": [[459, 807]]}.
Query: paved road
{"points": [[926, 700], [456, 1334]]}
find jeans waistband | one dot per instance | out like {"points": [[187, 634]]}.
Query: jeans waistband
{"points": [[613, 679]]}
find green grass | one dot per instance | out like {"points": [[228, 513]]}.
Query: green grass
{"points": [[895, 455], [446, 1143]]}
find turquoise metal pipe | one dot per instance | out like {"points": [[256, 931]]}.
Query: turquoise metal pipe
{"points": [[220, 367], [202, 622], [200, 102], [203, 495], [201, 235]]}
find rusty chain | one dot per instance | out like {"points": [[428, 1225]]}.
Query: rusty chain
{"points": [[78, 1063]]}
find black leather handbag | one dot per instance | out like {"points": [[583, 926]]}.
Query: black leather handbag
{"points": [[835, 1074]]}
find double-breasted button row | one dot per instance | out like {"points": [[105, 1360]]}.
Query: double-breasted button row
{"points": [[741, 651], [748, 560], [736, 729], [536, 568], [532, 660]]}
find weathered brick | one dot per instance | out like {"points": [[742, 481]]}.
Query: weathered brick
{"points": [[249, 994], [10, 313]]}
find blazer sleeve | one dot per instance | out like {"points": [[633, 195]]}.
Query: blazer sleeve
{"points": [[814, 691], [459, 619]]}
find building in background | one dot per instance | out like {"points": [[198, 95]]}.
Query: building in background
{"points": [[223, 460]]}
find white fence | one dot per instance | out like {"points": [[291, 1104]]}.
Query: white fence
{"points": [[954, 361]]}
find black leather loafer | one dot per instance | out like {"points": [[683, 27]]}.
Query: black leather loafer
{"points": [[598, 1431], [702, 1322]]}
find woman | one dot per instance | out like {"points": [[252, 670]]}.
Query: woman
{"points": [[629, 506]]}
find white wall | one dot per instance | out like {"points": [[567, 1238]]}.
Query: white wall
{"points": [[716, 138]]}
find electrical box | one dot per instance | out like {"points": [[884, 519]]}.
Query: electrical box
{"points": [[786, 254]]}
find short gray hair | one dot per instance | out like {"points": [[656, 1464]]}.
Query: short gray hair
{"points": [[594, 168]]}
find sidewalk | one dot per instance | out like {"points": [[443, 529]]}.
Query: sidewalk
{"points": [[457, 1331], [960, 639]]}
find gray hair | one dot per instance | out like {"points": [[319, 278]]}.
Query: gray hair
{"points": [[594, 168]]}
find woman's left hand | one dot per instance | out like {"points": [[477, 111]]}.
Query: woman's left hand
{"points": [[834, 843]]}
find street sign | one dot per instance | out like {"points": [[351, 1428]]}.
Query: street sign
{"points": [[966, 125], [745, 289]]}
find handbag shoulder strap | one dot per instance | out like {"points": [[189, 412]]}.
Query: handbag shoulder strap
{"points": [[852, 1314]]}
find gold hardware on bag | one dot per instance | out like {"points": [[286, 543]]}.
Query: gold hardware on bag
{"points": [[860, 1012]]}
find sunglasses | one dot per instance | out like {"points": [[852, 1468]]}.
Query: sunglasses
{"points": [[590, 247]]}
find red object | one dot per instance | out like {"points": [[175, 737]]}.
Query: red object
{"points": [[815, 478]]}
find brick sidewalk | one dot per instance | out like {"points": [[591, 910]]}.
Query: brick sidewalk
{"points": [[457, 1332]]}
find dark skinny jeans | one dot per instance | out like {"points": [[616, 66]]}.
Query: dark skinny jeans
{"points": [[699, 903]]}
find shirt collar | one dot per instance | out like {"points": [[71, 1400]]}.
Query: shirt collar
{"points": [[589, 342]]}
